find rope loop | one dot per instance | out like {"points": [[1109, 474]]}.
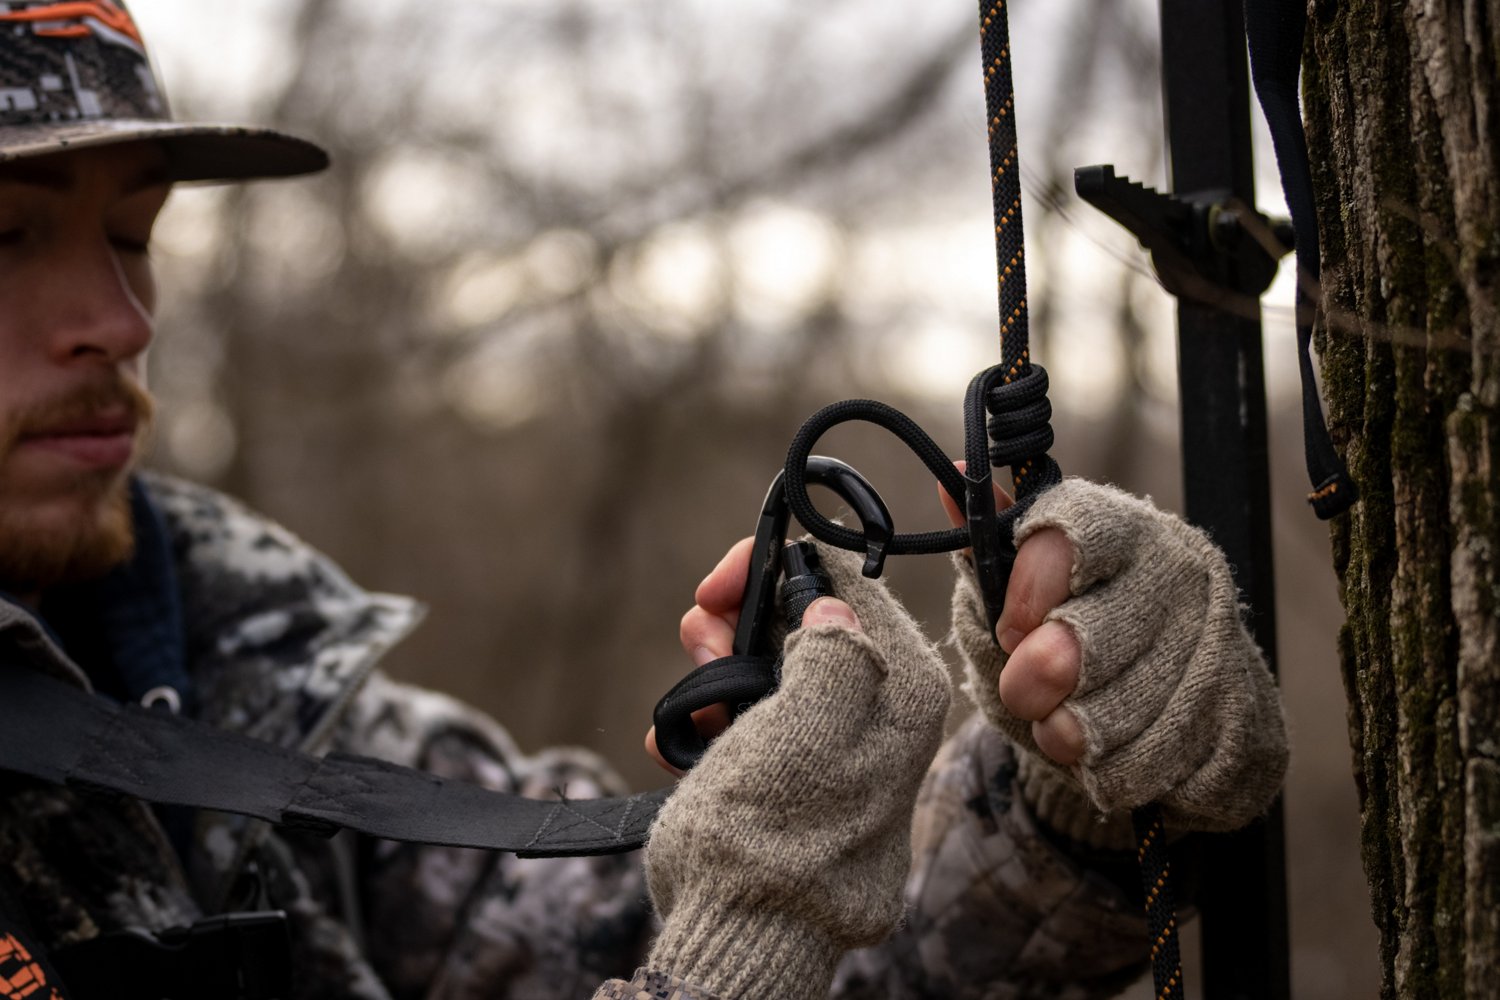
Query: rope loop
{"points": [[912, 435]]}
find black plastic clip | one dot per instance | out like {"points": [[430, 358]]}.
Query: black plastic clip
{"points": [[753, 635], [1205, 246], [752, 671]]}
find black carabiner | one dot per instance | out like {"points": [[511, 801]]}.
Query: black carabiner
{"points": [[753, 636], [753, 670]]}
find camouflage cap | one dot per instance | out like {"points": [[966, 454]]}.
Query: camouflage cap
{"points": [[74, 73]]}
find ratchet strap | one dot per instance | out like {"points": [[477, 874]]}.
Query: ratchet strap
{"points": [[55, 732]]}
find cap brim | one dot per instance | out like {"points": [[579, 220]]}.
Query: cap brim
{"points": [[195, 152]]}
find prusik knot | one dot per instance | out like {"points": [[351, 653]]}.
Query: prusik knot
{"points": [[1020, 418]]}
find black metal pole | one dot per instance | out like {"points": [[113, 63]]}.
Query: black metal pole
{"points": [[1221, 382]]}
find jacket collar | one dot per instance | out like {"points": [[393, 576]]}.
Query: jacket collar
{"points": [[277, 640], [23, 630], [277, 637]]}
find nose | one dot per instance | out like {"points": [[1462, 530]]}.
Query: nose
{"points": [[98, 308]]}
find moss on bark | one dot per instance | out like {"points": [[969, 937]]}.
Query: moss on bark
{"points": [[1386, 90]]}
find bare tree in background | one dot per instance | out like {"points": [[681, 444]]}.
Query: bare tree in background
{"points": [[513, 354], [500, 354]]}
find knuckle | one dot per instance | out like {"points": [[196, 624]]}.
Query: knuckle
{"points": [[691, 626], [1020, 691], [1057, 665], [1059, 737], [1041, 674], [1017, 617], [1012, 688], [1028, 616], [1051, 675]]}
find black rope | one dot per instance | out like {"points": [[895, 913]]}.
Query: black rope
{"points": [[1029, 468], [1016, 395], [1019, 428], [1006, 423], [1010, 397], [1161, 908], [1019, 421], [915, 438]]}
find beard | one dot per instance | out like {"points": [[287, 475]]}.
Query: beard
{"points": [[77, 524]]}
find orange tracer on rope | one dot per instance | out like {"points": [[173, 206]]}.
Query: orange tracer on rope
{"points": [[104, 12]]}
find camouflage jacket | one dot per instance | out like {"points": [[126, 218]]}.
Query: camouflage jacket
{"points": [[280, 645]]}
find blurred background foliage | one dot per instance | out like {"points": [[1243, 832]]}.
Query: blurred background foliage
{"points": [[534, 347]]}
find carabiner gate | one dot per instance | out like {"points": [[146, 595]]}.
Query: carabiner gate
{"points": [[753, 669]]}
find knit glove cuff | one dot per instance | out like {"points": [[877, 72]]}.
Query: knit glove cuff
{"points": [[1174, 699], [790, 842], [744, 953]]}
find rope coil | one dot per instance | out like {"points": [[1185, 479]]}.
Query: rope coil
{"points": [[1020, 415]]}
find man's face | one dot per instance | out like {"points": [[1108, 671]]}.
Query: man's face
{"points": [[76, 297]]}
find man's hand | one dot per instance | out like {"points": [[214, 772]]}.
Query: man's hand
{"points": [[707, 631], [1044, 656], [1123, 663], [790, 842]]}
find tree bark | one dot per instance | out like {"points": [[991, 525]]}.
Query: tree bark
{"points": [[1403, 125]]}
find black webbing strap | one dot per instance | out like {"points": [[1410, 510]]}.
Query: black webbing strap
{"points": [[1275, 30], [736, 681], [61, 734]]}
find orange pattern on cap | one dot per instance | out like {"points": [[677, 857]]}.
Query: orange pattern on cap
{"points": [[106, 12], [20, 977]]}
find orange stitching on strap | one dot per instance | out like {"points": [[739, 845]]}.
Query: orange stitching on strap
{"points": [[1326, 491]]}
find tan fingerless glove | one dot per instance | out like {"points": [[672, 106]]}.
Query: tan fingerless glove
{"points": [[1174, 699], [790, 842]]}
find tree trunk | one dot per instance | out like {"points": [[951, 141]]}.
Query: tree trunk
{"points": [[1403, 126]]}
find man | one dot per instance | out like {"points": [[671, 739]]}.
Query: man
{"points": [[1127, 678]]}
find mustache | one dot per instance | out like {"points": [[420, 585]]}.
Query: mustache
{"points": [[114, 396]]}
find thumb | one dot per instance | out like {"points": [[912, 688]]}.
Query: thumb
{"points": [[830, 611]]}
